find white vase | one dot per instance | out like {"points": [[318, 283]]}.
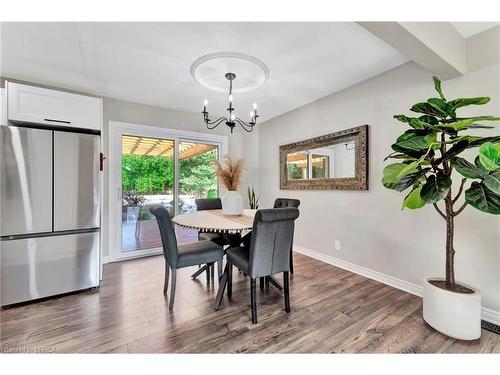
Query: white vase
{"points": [[232, 203], [457, 315]]}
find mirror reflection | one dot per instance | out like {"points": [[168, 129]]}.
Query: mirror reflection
{"points": [[331, 161]]}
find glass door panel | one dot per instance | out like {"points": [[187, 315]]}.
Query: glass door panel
{"points": [[196, 180], [147, 180]]}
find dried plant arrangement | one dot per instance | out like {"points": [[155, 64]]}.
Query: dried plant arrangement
{"points": [[229, 172]]}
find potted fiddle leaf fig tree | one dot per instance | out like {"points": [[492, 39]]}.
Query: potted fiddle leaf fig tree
{"points": [[430, 155]]}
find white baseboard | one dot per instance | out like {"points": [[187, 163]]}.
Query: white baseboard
{"points": [[486, 314]]}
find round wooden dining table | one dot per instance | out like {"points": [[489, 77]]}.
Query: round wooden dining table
{"points": [[216, 221]]}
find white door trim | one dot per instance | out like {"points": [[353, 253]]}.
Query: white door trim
{"points": [[116, 130]]}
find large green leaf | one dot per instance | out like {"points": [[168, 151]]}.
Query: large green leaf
{"points": [[435, 188], [456, 149], [478, 141], [437, 86], [442, 106], [402, 118], [462, 102], [390, 174], [467, 123], [416, 123], [410, 153], [419, 124], [478, 164], [408, 180], [416, 142], [428, 109], [429, 119], [489, 155], [414, 200], [480, 197], [466, 169], [393, 173], [492, 182]]}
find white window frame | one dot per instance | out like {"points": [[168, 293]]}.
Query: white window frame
{"points": [[116, 130]]}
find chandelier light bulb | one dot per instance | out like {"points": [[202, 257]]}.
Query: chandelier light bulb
{"points": [[205, 102], [251, 114], [254, 106]]}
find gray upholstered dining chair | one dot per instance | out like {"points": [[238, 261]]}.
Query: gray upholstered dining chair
{"points": [[267, 254], [221, 239], [203, 204], [282, 203], [180, 256]]}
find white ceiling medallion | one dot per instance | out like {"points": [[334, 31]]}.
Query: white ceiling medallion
{"points": [[209, 70]]}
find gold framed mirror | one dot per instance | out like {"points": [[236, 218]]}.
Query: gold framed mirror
{"points": [[333, 161]]}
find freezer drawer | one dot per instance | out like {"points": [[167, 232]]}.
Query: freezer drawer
{"points": [[76, 181], [25, 180], [46, 266]]}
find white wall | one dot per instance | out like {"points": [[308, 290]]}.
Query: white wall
{"points": [[373, 230]]}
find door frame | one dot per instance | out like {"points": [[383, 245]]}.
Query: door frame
{"points": [[114, 204]]}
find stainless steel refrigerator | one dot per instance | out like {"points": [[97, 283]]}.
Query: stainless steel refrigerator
{"points": [[50, 197]]}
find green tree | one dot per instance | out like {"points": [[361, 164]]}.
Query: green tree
{"points": [[196, 174], [149, 174]]}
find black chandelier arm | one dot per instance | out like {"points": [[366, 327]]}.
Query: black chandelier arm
{"points": [[215, 123], [247, 127]]}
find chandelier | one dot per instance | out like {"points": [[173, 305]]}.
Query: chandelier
{"points": [[231, 120]]}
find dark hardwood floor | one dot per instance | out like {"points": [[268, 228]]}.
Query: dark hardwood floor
{"points": [[333, 311]]}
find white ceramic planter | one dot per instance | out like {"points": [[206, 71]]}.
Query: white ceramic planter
{"points": [[454, 314], [232, 203]]}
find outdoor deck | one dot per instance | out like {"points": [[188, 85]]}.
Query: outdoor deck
{"points": [[145, 235]]}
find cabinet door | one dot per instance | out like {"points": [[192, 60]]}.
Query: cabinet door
{"points": [[26, 180], [76, 181], [52, 107]]}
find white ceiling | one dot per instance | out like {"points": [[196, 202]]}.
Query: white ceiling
{"points": [[468, 29], [149, 62]]}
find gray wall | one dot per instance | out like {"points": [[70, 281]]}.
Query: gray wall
{"points": [[373, 230]]}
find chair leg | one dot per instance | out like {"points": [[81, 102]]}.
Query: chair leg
{"points": [[291, 259], [199, 271], [286, 285], [219, 269], [229, 279], [208, 272], [212, 271], [261, 282], [266, 280], [253, 299], [172, 289], [220, 292], [165, 283]]}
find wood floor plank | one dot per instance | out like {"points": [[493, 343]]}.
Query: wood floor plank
{"points": [[333, 311]]}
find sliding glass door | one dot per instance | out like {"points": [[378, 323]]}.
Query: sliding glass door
{"points": [[147, 180], [196, 179], [156, 168]]}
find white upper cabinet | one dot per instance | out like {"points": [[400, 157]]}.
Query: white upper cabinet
{"points": [[3, 107], [52, 107]]}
